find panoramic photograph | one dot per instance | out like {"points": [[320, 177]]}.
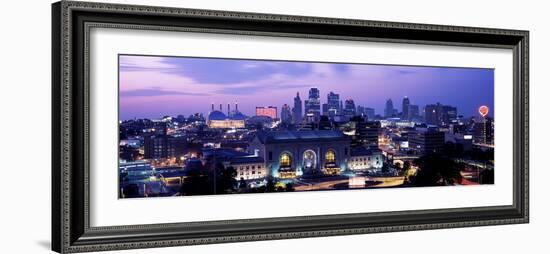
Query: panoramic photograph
{"points": [[207, 126]]}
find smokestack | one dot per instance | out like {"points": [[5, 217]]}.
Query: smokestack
{"points": [[212, 106], [236, 107], [220, 107], [228, 109]]}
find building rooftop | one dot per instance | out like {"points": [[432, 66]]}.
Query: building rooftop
{"points": [[179, 173], [246, 159], [363, 151], [216, 115], [222, 153], [300, 136]]}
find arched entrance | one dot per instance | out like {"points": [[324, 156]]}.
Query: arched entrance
{"points": [[309, 161], [285, 160], [330, 167], [285, 166]]}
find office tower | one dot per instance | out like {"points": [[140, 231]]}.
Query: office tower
{"points": [[389, 110], [414, 112], [369, 113], [286, 115], [405, 108], [313, 105], [349, 109], [297, 110], [333, 104]]}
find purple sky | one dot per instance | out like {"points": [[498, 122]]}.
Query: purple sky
{"points": [[151, 87]]}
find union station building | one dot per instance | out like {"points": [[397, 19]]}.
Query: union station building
{"points": [[290, 154]]}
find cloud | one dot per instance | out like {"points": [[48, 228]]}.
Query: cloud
{"points": [[214, 71], [143, 63], [253, 89], [155, 92]]}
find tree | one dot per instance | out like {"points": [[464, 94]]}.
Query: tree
{"points": [[270, 185], [225, 179], [397, 165], [487, 176], [385, 167], [195, 184], [242, 184], [406, 165], [436, 170], [289, 187], [406, 170]]}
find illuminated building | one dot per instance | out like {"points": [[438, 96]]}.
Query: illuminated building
{"points": [[438, 114], [405, 108], [464, 140], [286, 115], [363, 158], [372, 129], [267, 111], [426, 140], [249, 167], [389, 111], [164, 146], [218, 120], [449, 115], [297, 110], [349, 109], [333, 105], [483, 132], [137, 179], [413, 112], [431, 114], [313, 104], [483, 127], [289, 154], [369, 113], [173, 178]]}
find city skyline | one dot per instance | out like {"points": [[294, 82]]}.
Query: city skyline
{"points": [[151, 87]]}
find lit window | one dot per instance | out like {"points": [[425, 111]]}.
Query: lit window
{"points": [[285, 160], [330, 156]]}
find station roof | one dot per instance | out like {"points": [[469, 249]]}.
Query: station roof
{"points": [[300, 136]]}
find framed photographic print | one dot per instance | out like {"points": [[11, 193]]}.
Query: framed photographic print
{"points": [[182, 126]]}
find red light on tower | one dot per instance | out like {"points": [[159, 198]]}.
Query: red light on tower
{"points": [[483, 111]]}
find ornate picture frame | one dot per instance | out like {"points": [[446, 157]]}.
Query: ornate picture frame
{"points": [[71, 229]]}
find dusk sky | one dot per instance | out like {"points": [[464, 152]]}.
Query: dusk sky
{"points": [[152, 87]]}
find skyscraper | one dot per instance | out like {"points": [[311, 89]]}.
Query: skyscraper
{"points": [[431, 114], [324, 109], [405, 108], [372, 128], [349, 109], [438, 114], [448, 114], [333, 104], [414, 112], [426, 140], [369, 113], [297, 110], [388, 111], [286, 115], [313, 104], [360, 110], [483, 131]]}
